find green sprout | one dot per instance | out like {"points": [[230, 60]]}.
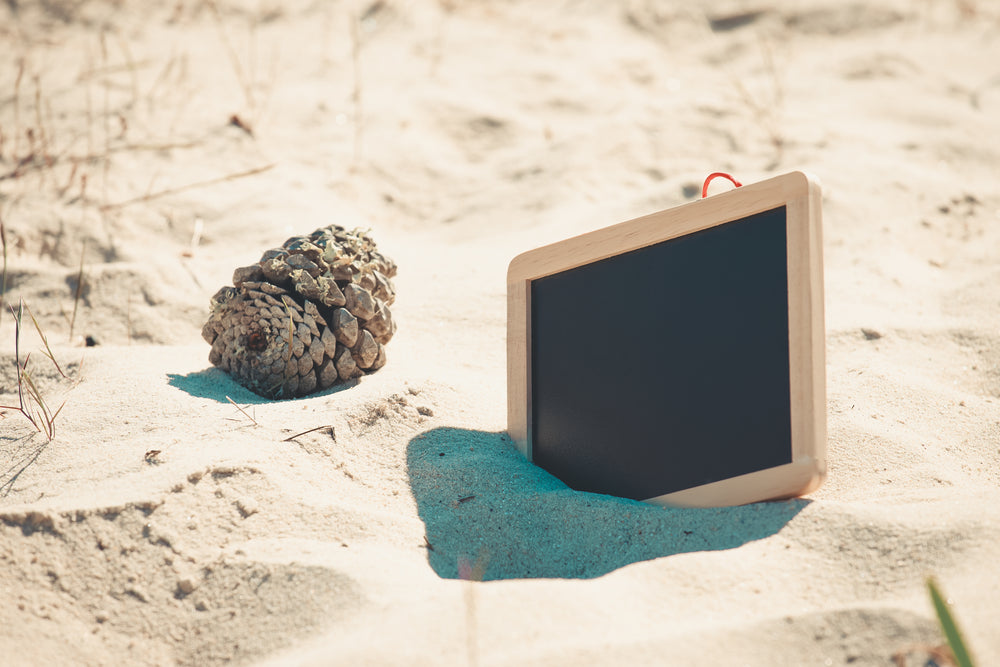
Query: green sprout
{"points": [[949, 627]]}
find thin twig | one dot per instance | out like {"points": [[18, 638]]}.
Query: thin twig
{"points": [[356, 97], [245, 413], [292, 437], [190, 186], [17, 360], [39, 123], [17, 106], [161, 77], [233, 58], [766, 109], [106, 165], [3, 280], [128, 316], [45, 342], [47, 421], [79, 290], [90, 109], [129, 65], [132, 69], [31, 162]]}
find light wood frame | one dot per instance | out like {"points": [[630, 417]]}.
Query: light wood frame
{"points": [[800, 194]]}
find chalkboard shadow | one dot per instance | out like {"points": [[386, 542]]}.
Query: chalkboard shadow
{"points": [[218, 385], [491, 514]]}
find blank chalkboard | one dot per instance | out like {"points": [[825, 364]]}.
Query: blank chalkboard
{"points": [[677, 357]]}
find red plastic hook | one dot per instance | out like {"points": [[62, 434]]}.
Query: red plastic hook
{"points": [[714, 175]]}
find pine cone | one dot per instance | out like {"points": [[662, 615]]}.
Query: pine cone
{"points": [[309, 314]]}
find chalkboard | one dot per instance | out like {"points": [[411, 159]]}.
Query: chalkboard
{"points": [[678, 357]]}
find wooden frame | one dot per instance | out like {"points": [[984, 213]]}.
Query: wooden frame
{"points": [[800, 195]]}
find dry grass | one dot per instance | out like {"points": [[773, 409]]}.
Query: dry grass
{"points": [[190, 186], [72, 132], [765, 103], [31, 403], [356, 95], [77, 293], [3, 278]]}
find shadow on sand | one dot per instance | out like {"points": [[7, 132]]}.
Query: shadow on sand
{"points": [[217, 385], [24, 456], [490, 514], [214, 384]]}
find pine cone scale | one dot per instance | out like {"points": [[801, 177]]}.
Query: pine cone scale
{"points": [[345, 326]]}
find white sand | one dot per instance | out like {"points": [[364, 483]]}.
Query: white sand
{"points": [[474, 131]]}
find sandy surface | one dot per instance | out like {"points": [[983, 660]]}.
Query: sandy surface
{"points": [[162, 526]]}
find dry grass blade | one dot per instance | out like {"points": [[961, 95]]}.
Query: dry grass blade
{"points": [[37, 404], [79, 291], [52, 422], [356, 96], [234, 59], [28, 397], [292, 437], [31, 403], [17, 361], [245, 413], [17, 105], [45, 341], [190, 186], [3, 279]]}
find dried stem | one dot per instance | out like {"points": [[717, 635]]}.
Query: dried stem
{"points": [[184, 188], [29, 164], [17, 107], [233, 57], [3, 279], [292, 437], [132, 68], [245, 413], [45, 342], [31, 403], [105, 117], [79, 290], [44, 136], [356, 96], [766, 108]]}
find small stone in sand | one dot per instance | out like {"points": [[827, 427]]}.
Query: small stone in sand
{"points": [[186, 585], [247, 506], [871, 334]]}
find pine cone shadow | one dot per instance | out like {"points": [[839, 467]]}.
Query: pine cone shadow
{"points": [[217, 385], [491, 514]]}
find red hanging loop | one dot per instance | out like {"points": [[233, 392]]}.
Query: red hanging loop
{"points": [[714, 175]]}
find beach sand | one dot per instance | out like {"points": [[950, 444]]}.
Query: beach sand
{"points": [[153, 149]]}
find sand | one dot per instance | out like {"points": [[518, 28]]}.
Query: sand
{"points": [[163, 146]]}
